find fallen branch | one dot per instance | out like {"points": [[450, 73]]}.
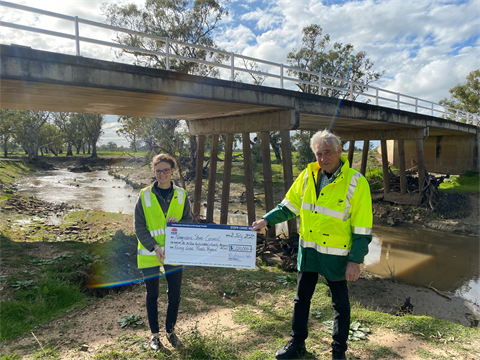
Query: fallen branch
{"points": [[438, 292]]}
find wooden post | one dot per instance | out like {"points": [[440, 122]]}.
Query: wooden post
{"points": [[248, 169], [421, 165], [197, 198], [288, 173], [403, 175], [351, 149], [212, 178], [386, 175], [227, 172], [363, 167], [267, 176]]}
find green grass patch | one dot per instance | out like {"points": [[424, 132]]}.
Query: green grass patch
{"points": [[467, 183]]}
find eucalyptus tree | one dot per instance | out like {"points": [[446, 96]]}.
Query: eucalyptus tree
{"points": [[27, 130], [131, 129], [187, 21], [466, 97], [92, 125], [339, 61], [71, 127], [8, 123], [51, 139]]}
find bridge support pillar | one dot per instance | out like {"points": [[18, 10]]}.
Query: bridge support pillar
{"points": [[288, 173], [227, 171], [248, 170], [267, 176], [212, 177], [386, 175], [197, 198], [363, 167], [421, 164], [403, 175], [351, 149]]}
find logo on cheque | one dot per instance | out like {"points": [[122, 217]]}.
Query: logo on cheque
{"points": [[174, 231]]}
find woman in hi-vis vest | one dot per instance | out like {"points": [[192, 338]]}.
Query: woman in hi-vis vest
{"points": [[158, 204]]}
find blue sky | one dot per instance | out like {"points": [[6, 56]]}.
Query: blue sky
{"points": [[425, 47]]}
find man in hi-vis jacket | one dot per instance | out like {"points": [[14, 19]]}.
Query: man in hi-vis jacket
{"points": [[335, 209]]}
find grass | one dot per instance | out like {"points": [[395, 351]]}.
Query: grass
{"points": [[467, 183], [37, 293]]}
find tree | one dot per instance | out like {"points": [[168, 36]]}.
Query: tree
{"points": [[72, 128], [302, 143], [131, 130], [27, 131], [188, 21], [191, 21], [340, 61], [8, 122], [111, 146], [466, 97], [92, 124], [50, 139]]}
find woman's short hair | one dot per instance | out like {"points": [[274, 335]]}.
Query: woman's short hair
{"points": [[324, 136], [164, 158]]}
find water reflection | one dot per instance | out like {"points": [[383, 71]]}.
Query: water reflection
{"points": [[421, 257]]}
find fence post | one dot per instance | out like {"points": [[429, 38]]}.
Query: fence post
{"points": [[351, 90], [432, 109], [281, 76], [232, 68], [445, 110], [398, 100], [416, 105], [376, 96], [167, 44], [77, 36], [320, 83], [457, 115]]}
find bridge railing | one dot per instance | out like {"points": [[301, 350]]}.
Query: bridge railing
{"points": [[348, 89]]}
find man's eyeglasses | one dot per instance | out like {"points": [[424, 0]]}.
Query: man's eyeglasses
{"points": [[164, 171]]}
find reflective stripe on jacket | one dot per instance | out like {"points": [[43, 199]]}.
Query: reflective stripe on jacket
{"points": [[156, 222], [343, 207]]}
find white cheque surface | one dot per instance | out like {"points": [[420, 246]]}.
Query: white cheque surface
{"points": [[210, 245]]}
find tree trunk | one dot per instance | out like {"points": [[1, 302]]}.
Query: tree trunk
{"points": [[5, 150], [94, 148], [69, 150], [276, 150]]}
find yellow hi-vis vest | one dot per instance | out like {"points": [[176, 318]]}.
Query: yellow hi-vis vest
{"points": [[343, 207], [156, 222]]}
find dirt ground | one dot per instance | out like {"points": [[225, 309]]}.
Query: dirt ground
{"points": [[96, 325], [83, 326]]}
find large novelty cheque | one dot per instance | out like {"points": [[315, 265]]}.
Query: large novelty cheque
{"points": [[210, 245]]}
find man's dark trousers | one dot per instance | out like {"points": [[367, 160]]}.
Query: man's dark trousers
{"points": [[306, 282]]}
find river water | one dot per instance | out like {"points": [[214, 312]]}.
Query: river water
{"points": [[412, 256]]}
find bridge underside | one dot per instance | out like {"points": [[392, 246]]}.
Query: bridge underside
{"points": [[39, 80], [33, 95]]}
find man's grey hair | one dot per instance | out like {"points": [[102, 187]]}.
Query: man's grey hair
{"points": [[324, 136]]}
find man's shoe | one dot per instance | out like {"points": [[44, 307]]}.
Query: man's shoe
{"points": [[174, 340], [291, 350], [155, 343], [338, 355]]}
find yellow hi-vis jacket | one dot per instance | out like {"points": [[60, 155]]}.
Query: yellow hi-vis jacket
{"points": [[157, 223], [343, 207]]}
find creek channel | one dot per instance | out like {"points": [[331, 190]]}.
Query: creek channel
{"points": [[412, 256]]}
